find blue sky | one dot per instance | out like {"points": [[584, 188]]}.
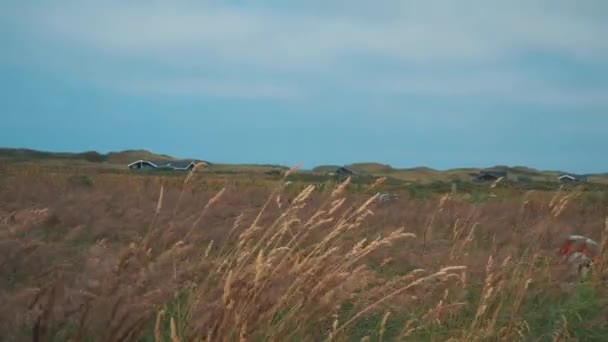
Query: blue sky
{"points": [[436, 83]]}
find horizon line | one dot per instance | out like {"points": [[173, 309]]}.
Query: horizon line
{"points": [[310, 168]]}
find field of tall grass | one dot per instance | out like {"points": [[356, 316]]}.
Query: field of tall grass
{"points": [[118, 257]]}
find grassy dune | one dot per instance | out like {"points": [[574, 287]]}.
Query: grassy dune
{"points": [[118, 161], [109, 257]]}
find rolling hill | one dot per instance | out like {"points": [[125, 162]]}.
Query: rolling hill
{"points": [[123, 157], [416, 174]]}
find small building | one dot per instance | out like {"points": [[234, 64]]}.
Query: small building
{"points": [[175, 165], [571, 178], [343, 171], [488, 176]]}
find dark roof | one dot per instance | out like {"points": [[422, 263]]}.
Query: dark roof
{"points": [[490, 174], [345, 170], [182, 164]]}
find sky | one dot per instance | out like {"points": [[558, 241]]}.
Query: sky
{"points": [[442, 84]]}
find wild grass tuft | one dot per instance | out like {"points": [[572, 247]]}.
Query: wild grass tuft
{"points": [[182, 259]]}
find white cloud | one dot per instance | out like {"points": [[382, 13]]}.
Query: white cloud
{"points": [[327, 41], [419, 32], [510, 86]]}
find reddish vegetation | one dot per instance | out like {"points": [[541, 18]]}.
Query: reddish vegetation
{"points": [[107, 256]]}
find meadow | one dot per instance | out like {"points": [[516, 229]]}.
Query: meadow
{"points": [[109, 256]]}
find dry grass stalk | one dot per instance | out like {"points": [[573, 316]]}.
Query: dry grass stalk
{"points": [[278, 200], [208, 249], [157, 334], [378, 182], [243, 332], [562, 334], [334, 327], [457, 230], [293, 170], [493, 186], [490, 329], [340, 189], [364, 207], [555, 197], [386, 261], [383, 325], [213, 200], [435, 312], [196, 167], [174, 336], [302, 196], [296, 205], [227, 285], [408, 328], [560, 206], [259, 268], [428, 229], [486, 295], [515, 326], [159, 203], [460, 245], [335, 205], [359, 252]]}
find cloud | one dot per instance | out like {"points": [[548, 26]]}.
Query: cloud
{"points": [[510, 86], [294, 47], [419, 32]]}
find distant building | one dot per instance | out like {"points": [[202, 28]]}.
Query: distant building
{"points": [[176, 165], [570, 178], [488, 176], [143, 164], [343, 171]]}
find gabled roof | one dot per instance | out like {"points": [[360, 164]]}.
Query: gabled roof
{"points": [[180, 164], [496, 174], [572, 177], [154, 164], [183, 164], [344, 169]]}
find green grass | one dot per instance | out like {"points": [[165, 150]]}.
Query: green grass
{"points": [[582, 309]]}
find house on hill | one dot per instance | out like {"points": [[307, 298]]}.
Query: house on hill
{"points": [[488, 176], [175, 165], [343, 171], [570, 178]]}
